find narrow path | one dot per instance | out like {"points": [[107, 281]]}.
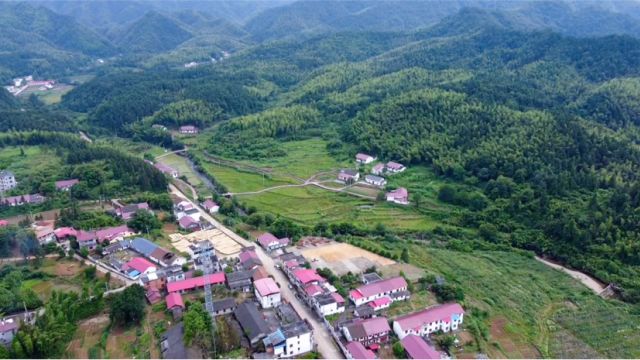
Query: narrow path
{"points": [[85, 137], [169, 153], [325, 343], [585, 279]]}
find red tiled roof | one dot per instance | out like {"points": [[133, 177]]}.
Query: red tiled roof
{"points": [[358, 351], [363, 157], [266, 286], [188, 284], [306, 276], [64, 184], [266, 239], [101, 235], [247, 254], [383, 301], [417, 348], [337, 297], [313, 290], [398, 193], [380, 287], [139, 264], [4, 223], [186, 221], [436, 313], [174, 299], [64, 232], [208, 204], [394, 165], [369, 327]]}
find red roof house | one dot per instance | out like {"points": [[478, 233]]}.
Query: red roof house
{"points": [[270, 242], [307, 276], [174, 300], [139, 264], [153, 295], [444, 317], [381, 303], [196, 282], [65, 185], [395, 167], [370, 331], [210, 206], [188, 223], [417, 348], [398, 196], [358, 351], [188, 129], [378, 169], [4, 223], [383, 288], [364, 158], [313, 290], [65, 232], [266, 286]]}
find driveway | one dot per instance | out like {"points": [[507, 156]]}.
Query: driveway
{"points": [[326, 346]]}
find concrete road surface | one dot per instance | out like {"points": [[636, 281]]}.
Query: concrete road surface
{"points": [[326, 346]]}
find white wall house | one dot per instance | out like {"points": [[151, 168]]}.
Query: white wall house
{"points": [[299, 339], [267, 293], [447, 317]]}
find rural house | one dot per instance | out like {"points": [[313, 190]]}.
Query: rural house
{"points": [[251, 320], [175, 305], [364, 158], [183, 286], [416, 348], [394, 288], [357, 351], [398, 196], [375, 180], [7, 180], [445, 317], [240, 280], [188, 130], [249, 258], [127, 212], [24, 199], [66, 185], [267, 292], [307, 276], [138, 266], [167, 170], [378, 169], [8, 330], [224, 306], [368, 332], [210, 206], [329, 304], [269, 242], [394, 167], [299, 338], [348, 176], [187, 223]]}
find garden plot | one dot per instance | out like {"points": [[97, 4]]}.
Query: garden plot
{"points": [[342, 258]]}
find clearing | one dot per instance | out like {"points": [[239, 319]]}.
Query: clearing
{"points": [[342, 258], [223, 244]]}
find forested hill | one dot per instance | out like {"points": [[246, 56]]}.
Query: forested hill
{"points": [[152, 33]]}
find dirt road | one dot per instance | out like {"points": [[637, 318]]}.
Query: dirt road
{"points": [[587, 280], [326, 346]]}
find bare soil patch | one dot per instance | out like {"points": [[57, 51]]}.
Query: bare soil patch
{"points": [[342, 258]]}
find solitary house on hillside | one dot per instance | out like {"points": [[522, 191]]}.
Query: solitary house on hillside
{"points": [[7, 180], [348, 176], [66, 185], [364, 158], [167, 170], [398, 196], [188, 130]]}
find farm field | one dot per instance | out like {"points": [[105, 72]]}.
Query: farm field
{"points": [[180, 163], [532, 308], [36, 160], [244, 181], [310, 205], [49, 97]]}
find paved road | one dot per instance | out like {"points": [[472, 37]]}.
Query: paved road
{"points": [[326, 346]]}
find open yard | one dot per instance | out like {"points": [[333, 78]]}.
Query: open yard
{"points": [[342, 258], [225, 246]]}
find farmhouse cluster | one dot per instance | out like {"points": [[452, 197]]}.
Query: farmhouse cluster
{"points": [[375, 177]]}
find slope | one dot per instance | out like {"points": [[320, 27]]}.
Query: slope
{"points": [[152, 33]]}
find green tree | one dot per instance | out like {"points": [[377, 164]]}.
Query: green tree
{"points": [[197, 327], [127, 307], [144, 221], [398, 350]]}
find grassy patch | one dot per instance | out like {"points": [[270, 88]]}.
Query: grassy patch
{"points": [[242, 181], [528, 295]]}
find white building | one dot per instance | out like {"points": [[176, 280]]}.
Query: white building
{"points": [[7, 180], [267, 292], [364, 158], [329, 304], [299, 339], [445, 317], [8, 329], [375, 180]]}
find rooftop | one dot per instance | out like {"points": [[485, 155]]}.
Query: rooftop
{"points": [[380, 287], [251, 320], [436, 313], [358, 351], [174, 299], [266, 286], [188, 284], [369, 327], [417, 348], [306, 276]]}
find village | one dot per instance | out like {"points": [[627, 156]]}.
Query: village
{"points": [[284, 299]]}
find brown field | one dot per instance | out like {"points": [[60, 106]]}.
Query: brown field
{"points": [[224, 245], [342, 258]]}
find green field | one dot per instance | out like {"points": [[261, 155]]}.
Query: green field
{"points": [[538, 305], [36, 162], [310, 205], [180, 163], [244, 181]]}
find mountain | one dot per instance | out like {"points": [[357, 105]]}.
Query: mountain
{"points": [[576, 18], [152, 33]]}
